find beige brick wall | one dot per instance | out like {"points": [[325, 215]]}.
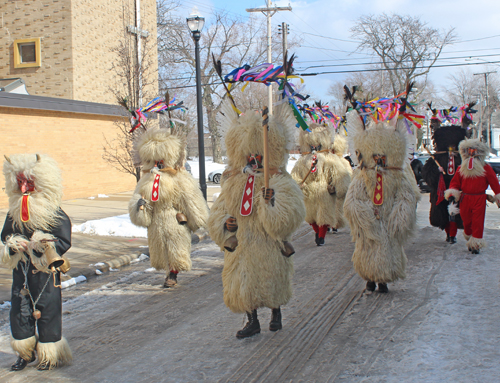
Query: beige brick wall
{"points": [[74, 140], [77, 39], [98, 28], [50, 21]]}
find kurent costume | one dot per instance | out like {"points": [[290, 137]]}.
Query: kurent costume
{"points": [[36, 234], [443, 214], [324, 176], [168, 202], [253, 227], [468, 186], [381, 201]]}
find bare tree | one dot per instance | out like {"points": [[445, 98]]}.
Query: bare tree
{"points": [[406, 45], [127, 68], [233, 41]]}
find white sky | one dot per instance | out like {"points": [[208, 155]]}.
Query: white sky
{"points": [[472, 20]]}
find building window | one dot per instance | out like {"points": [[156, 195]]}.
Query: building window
{"points": [[27, 53]]}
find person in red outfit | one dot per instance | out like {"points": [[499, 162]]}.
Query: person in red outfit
{"points": [[469, 187]]}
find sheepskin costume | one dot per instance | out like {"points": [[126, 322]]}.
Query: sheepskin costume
{"points": [[35, 230], [256, 274], [469, 187], [324, 176], [165, 190], [446, 140], [381, 202]]}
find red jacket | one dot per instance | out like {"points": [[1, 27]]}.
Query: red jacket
{"points": [[476, 185]]}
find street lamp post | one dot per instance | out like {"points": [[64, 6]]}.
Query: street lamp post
{"points": [[195, 23]]}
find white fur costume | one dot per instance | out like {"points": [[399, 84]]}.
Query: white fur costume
{"points": [[380, 232], [169, 241], [332, 170], [256, 274]]}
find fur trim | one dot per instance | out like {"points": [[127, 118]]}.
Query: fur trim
{"points": [[466, 236], [24, 347], [497, 197], [54, 354], [13, 243], [452, 193], [476, 243], [44, 202]]}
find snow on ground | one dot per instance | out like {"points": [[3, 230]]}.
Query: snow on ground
{"points": [[119, 226]]}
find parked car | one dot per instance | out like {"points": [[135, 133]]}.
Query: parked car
{"points": [[494, 162], [188, 168], [215, 175], [417, 164]]}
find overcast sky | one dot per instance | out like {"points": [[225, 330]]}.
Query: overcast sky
{"points": [[317, 22]]}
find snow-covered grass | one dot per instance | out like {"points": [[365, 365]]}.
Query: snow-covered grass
{"points": [[119, 226]]}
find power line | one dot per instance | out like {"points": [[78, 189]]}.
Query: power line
{"points": [[388, 69]]}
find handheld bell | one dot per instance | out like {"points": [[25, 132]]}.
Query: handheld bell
{"points": [[54, 260]]}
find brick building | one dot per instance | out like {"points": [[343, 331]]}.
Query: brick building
{"points": [[63, 52], [66, 48]]}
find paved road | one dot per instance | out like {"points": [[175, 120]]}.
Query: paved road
{"points": [[440, 324]]}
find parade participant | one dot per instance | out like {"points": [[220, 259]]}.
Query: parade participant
{"points": [[468, 187], [324, 177], [251, 226], [438, 172], [381, 202], [168, 202], [36, 234]]}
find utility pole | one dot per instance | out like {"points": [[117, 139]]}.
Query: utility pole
{"points": [[283, 28], [488, 133], [269, 12], [139, 33]]}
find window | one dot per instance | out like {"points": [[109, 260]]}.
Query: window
{"points": [[27, 53]]}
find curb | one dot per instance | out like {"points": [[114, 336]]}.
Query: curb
{"points": [[126, 259]]}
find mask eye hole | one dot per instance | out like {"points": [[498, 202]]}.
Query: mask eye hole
{"points": [[159, 164]]}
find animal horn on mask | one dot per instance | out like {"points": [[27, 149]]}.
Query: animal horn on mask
{"points": [[8, 159], [38, 157]]}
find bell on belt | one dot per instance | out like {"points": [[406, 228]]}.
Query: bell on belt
{"points": [[37, 314], [54, 260]]}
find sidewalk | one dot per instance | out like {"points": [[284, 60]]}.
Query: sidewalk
{"points": [[87, 250]]}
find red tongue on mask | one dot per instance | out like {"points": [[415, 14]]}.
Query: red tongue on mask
{"points": [[25, 210], [470, 165]]}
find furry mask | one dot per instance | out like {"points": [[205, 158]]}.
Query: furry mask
{"points": [[161, 149], [379, 144], [473, 153], [318, 139], [448, 136], [244, 138], [34, 185]]}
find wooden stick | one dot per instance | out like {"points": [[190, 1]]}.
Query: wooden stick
{"points": [[265, 130], [437, 163]]}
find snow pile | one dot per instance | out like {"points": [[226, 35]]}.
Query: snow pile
{"points": [[102, 196], [142, 257], [73, 281], [215, 196], [119, 226], [5, 305]]}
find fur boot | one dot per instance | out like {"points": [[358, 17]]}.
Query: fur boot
{"points": [[53, 354], [24, 348]]}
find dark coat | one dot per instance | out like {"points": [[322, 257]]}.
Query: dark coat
{"points": [[50, 303]]}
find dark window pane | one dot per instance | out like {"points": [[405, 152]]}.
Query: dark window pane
{"points": [[27, 53]]}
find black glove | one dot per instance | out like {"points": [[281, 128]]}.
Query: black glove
{"points": [[451, 199], [141, 203]]}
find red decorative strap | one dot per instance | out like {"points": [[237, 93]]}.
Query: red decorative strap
{"points": [[25, 210], [155, 193], [247, 199], [378, 195], [451, 164], [470, 165]]}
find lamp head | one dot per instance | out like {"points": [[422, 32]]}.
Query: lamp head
{"points": [[195, 21]]}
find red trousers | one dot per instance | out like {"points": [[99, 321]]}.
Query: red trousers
{"points": [[473, 211], [451, 229], [321, 230]]}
